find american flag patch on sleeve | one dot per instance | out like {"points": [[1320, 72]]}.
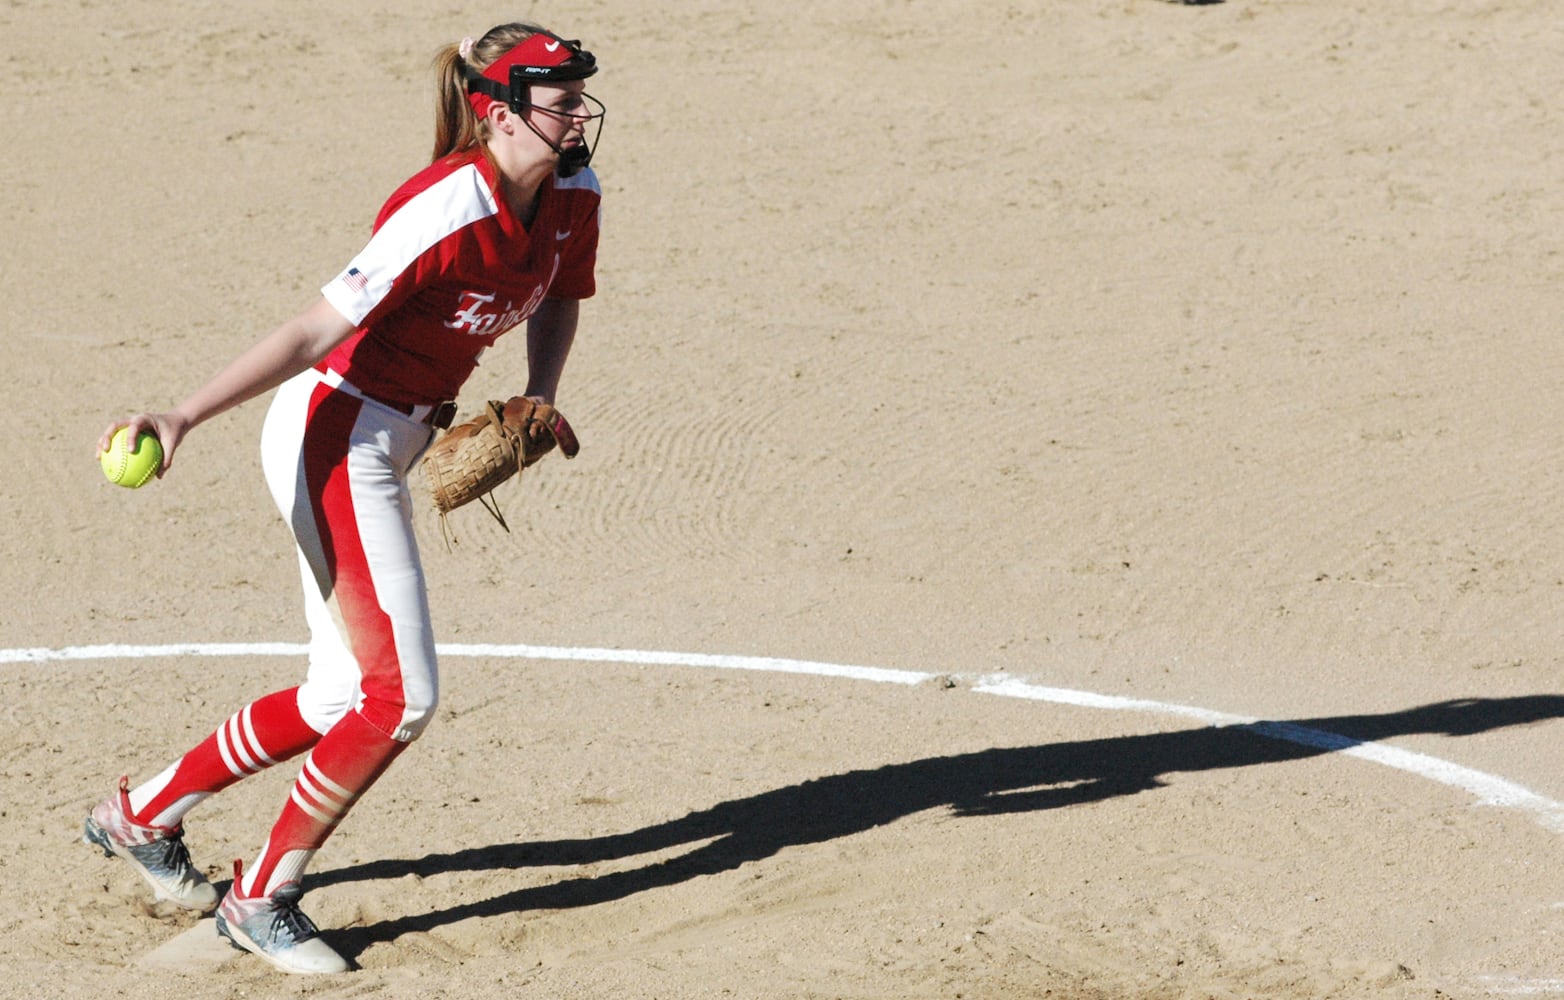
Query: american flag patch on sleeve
{"points": [[355, 279]]}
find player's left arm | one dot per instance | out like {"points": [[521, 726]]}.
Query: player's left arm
{"points": [[550, 331]]}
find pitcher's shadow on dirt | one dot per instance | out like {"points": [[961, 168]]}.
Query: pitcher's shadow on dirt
{"points": [[987, 782]]}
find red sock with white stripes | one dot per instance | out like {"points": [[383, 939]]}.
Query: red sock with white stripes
{"points": [[267, 731], [343, 765]]}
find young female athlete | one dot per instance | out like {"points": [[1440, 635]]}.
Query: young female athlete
{"points": [[501, 228]]}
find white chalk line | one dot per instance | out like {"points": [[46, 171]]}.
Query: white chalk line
{"points": [[1487, 789], [1516, 986]]}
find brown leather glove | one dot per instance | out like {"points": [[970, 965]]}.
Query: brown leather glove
{"points": [[474, 457]]}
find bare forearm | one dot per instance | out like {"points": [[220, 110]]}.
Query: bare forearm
{"points": [[277, 357], [550, 332]]}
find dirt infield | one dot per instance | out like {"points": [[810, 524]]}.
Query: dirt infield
{"points": [[1200, 358]]}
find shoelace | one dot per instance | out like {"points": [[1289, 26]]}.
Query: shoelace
{"points": [[289, 922], [173, 855]]}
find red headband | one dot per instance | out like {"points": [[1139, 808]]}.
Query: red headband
{"points": [[541, 49]]}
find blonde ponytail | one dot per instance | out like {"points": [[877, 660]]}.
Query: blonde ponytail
{"points": [[456, 128]]}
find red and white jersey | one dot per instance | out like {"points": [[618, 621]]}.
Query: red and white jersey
{"points": [[449, 269]]}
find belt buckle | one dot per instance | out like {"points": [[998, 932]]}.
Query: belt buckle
{"points": [[443, 414]]}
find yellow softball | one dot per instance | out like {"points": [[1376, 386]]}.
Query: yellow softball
{"points": [[129, 467]]}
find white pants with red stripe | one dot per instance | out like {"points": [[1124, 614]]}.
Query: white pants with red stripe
{"points": [[337, 467]]}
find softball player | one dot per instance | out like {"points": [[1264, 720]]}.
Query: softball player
{"points": [[501, 228]]}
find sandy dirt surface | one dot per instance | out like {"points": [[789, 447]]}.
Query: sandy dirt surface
{"points": [[1187, 356]]}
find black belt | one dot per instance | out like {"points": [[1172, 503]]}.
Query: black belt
{"points": [[439, 415], [435, 415]]}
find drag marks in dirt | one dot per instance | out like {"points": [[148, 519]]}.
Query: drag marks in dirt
{"points": [[1486, 789], [695, 501]]}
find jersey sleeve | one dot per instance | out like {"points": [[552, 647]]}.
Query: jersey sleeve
{"points": [[402, 253]]}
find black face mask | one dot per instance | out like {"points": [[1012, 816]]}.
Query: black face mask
{"points": [[573, 158], [517, 95]]}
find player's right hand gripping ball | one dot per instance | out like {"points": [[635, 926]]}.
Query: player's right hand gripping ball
{"points": [[131, 467], [475, 457]]}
